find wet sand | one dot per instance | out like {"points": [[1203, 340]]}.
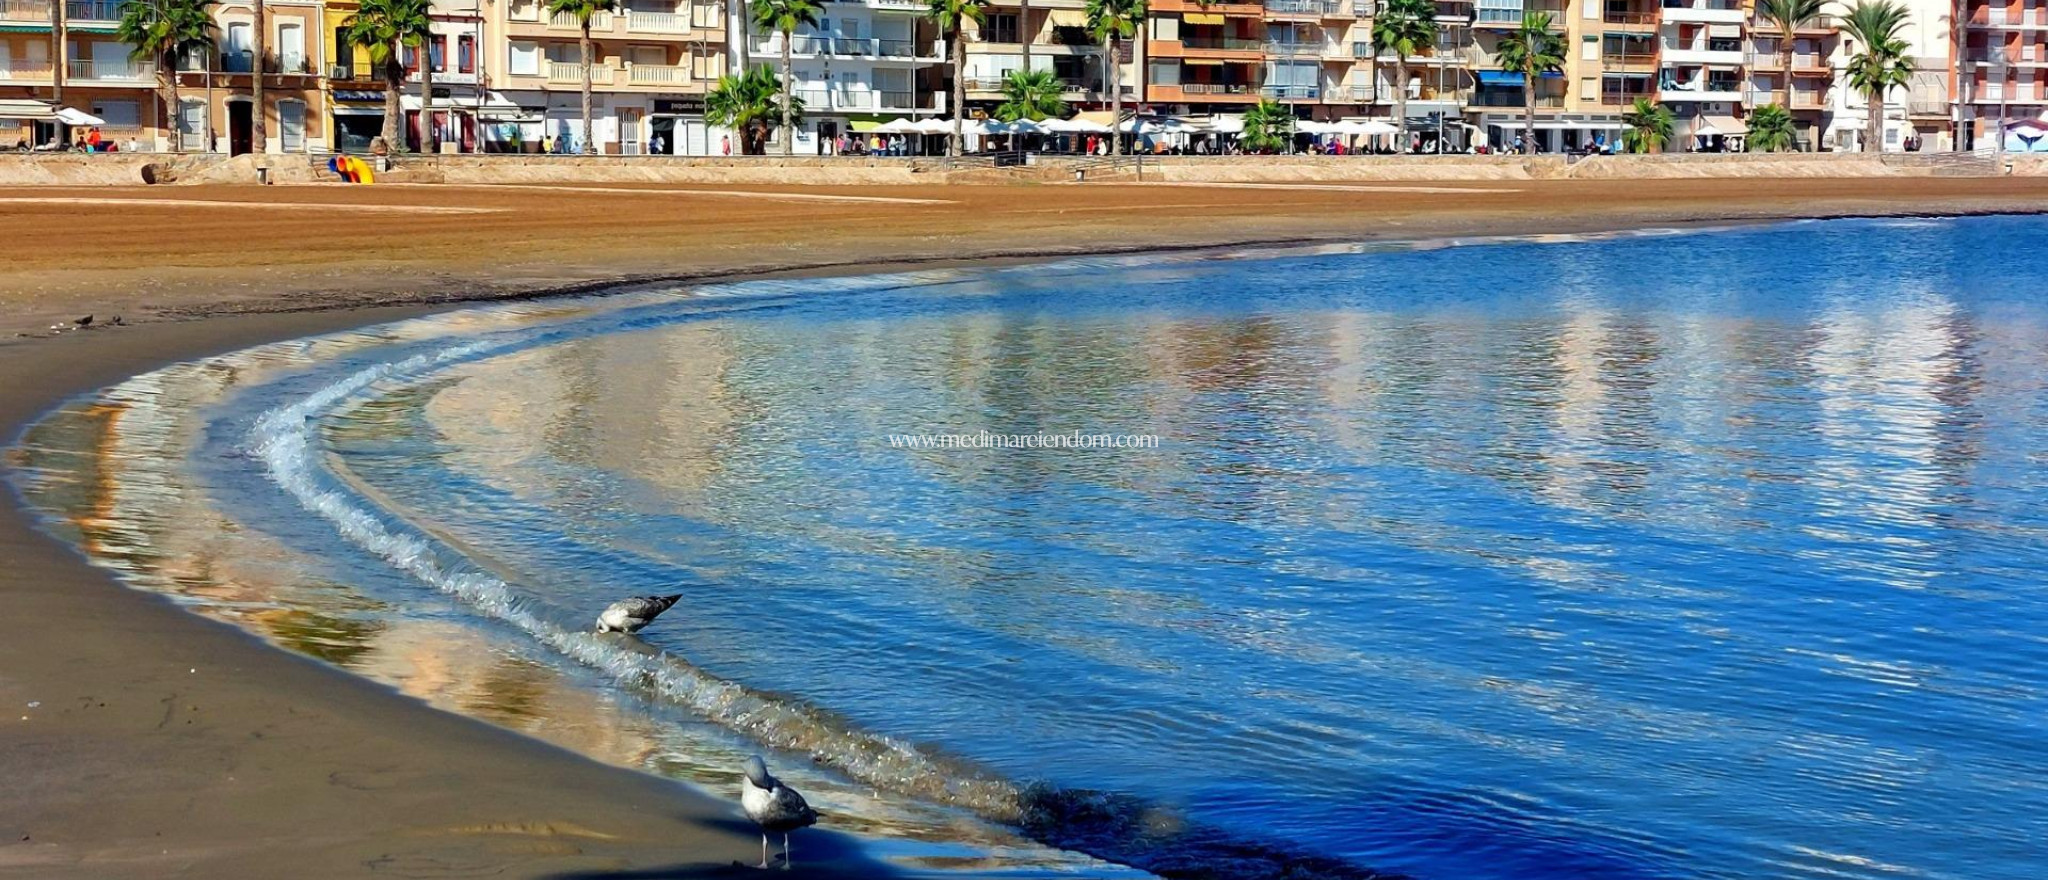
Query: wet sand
{"points": [[166, 745]]}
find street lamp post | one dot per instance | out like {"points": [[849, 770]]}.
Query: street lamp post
{"points": [[1998, 137]]}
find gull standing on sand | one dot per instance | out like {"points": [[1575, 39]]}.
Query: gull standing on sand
{"points": [[773, 806], [633, 615]]}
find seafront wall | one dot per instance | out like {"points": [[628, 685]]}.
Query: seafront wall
{"points": [[74, 169]]}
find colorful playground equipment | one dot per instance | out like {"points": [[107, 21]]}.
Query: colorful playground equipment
{"points": [[352, 169]]}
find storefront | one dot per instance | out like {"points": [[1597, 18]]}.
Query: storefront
{"points": [[358, 119], [677, 127]]}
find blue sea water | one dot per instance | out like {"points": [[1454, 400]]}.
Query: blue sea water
{"points": [[1706, 555]]}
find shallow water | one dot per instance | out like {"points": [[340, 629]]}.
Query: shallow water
{"points": [[1705, 555]]}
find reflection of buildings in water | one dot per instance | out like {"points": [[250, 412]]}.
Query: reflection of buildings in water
{"points": [[651, 406]]}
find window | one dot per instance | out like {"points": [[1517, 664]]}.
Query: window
{"points": [[291, 47], [437, 53], [706, 63], [465, 53], [525, 59], [192, 123], [119, 114], [344, 51], [291, 119], [1001, 27]]}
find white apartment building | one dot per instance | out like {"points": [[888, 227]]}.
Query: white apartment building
{"points": [[864, 63], [651, 65]]}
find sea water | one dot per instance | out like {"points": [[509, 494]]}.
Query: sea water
{"points": [[1713, 554]]}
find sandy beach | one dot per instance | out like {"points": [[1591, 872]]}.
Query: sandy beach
{"points": [[160, 744]]}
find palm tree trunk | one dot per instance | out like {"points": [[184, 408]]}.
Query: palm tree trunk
{"points": [[394, 85], [1785, 78], [1529, 108], [959, 54], [1873, 134], [589, 143], [788, 77], [1401, 100], [177, 136], [1025, 31], [428, 134], [259, 134], [1116, 99]]}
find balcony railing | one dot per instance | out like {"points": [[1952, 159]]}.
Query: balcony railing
{"points": [[18, 69], [37, 11], [1216, 88], [237, 62], [657, 22], [111, 71], [657, 74], [849, 46], [93, 10], [1305, 7], [1292, 49], [1291, 93], [571, 72], [1512, 99], [1232, 44], [567, 21]]}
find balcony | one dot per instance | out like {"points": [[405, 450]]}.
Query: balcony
{"points": [[82, 11], [1236, 93], [1704, 11], [1723, 92], [1222, 44], [122, 72], [571, 73], [858, 100], [1698, 53], [1308, 8], [564, 21], [20, 70], [1802, 99], [26, 11], [1291, 93], [638, 22], [845, 47], [1998, 17], [1491, 98], [658, 75], [1286, 49]]}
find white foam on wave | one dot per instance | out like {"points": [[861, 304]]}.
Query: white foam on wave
{"points": [[285, 440]]}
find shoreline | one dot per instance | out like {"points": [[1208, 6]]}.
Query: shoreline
{"points": [[134, 765]]}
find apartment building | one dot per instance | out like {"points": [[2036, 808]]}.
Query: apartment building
{"points": [[1920, 116], [1806, 86], [57, 54], [2001, 72], [865, 63], [1312, 55], [651, 65], [1049, 35]]}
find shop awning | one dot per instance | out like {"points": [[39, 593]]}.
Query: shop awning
{"points": [[1201, 62], [38, 111], [1499, 78], [1067, 18], [1709, 126], [1202, 17]]}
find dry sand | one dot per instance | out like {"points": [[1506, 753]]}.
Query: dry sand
{"points": [[165, 745]]}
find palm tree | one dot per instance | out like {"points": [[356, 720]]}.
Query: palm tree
{"points": [[381, 27], [1268, 125], [952, 17], [1882, 64], [584, 10], [1649, 126], [1030, 94], [1788, 16], [746, 103], [1531, 49], [1770, 129], [1112, 22], [784, 17], [1405, 26], [164, 31]]}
